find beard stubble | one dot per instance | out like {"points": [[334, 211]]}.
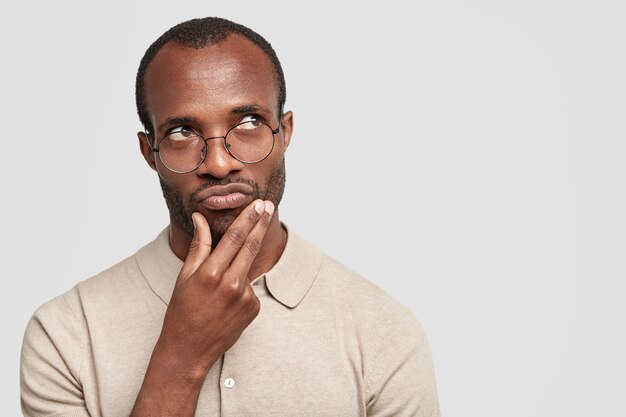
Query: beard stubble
{"points": [[181, 209]]}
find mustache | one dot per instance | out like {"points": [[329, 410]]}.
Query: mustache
{"points": [[224, 181]]}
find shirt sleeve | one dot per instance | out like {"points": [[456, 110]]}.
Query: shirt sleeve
{"points": [[51, 359], [401, 382]]}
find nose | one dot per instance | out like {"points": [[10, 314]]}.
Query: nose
{"points": [[218, 163]]}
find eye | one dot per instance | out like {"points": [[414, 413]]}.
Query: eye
{"points": [[250, 121], [180, 133]]}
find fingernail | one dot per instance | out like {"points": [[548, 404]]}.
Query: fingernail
{"points": [[269, 208], [259, 207], [193, 220]]}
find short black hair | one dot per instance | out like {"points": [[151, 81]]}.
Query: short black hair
{"points": [[197, 34]]}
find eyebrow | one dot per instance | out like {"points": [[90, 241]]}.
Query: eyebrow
{"points": [[174, 121], [250, 108], [243, 109]]}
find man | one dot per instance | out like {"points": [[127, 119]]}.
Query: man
{"points": [[227, 312]]}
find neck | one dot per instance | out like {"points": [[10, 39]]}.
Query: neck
{"points": [[271, 248]]}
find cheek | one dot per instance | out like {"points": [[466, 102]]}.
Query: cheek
{"points": [[279, 145], [277, 155], [178, 181], [266, 169], [179, 184]]}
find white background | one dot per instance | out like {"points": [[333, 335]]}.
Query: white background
{"points": [[468, 157]]}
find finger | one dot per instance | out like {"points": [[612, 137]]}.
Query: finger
{"points": [[236, 235], [200, 247], [250, 249]]}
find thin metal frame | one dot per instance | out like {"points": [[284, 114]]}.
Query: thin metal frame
{"points": [[204, 151]]}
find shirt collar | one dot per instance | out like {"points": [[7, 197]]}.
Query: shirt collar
{"points": [[288, 281], [294, 273], [159, 265]]}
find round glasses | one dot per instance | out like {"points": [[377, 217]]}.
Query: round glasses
{"points": [[183, 150]]}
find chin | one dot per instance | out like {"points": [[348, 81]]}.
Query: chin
{"points": [[219, 222]]}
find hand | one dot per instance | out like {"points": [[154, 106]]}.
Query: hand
{"points": [[213, 302], [211, 305]]}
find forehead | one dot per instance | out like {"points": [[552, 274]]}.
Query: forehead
{"points": [[183, 81]]}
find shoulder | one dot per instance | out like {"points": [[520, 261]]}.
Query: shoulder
{"points": [[396, 360], [113, 282], [374, 313], [367, 310], [357, 293], [65, 313], [55, 349], [335, 283], [398, 373], [57, 330], [53, 345], [61, 316]]}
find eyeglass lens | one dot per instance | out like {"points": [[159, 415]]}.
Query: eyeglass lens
{"points": [[184, 151]]}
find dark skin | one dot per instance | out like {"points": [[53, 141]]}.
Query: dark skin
{"points": [[210, 88]]}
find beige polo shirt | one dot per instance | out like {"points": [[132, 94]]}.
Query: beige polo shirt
{"points": [[326, 343]]}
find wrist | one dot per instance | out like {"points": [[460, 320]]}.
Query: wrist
{"points": [[176, 367], [171, 386]]}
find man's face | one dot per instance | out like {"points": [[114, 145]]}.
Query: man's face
{"points": [[211, 90]]}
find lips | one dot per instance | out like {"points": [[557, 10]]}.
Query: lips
{"points": [[224, 197]]}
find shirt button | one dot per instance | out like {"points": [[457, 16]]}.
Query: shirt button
{"points": [[229, 382]]}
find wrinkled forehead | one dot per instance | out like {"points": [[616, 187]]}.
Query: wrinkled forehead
{"points": [[230, 72]]}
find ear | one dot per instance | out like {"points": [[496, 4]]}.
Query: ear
{"points": [[146, 149], [287, 126]]}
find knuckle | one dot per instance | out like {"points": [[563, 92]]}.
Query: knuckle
{"points": [[265, 220], [255, 309], [248, 297], [236, 236], [215, 273], [253, 244], [232, 290], [212, 274], [245, 297], [194, 245]]}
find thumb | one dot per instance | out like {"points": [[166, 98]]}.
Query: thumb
{"points": [[200, 247]]}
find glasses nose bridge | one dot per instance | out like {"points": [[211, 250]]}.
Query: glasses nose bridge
{"points": [[205, 149], [206, 140]]}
